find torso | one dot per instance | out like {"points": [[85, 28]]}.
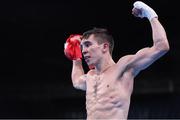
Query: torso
{"points": [[108, 95]]}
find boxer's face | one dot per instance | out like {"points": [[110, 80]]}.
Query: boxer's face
{"points": [[91, 50]]}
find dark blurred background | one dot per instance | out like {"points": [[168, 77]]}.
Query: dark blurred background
{"points": [[35, 75]]}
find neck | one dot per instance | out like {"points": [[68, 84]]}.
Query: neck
{"points": [[104, 65]]}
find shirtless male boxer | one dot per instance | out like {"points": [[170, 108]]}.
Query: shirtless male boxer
{"points": [[109, 85]]}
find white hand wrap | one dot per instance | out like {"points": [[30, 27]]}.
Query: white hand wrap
{"points": [[146, 10]]}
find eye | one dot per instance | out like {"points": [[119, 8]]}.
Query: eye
{"points": [[87, 44]]}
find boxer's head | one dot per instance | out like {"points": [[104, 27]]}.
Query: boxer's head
{"points": [[102, 36], [96, 44]]}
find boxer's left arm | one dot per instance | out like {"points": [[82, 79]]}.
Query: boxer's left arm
{"points": [[145, 57]]}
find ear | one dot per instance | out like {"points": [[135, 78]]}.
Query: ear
{"points": [[105, 47]]}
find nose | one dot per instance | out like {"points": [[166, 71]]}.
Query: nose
{"points": [[84, 51]]}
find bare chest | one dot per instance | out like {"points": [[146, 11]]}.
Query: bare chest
{"points": [[105, 95], [104, 88]]}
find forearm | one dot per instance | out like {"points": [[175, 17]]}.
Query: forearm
{"points": [[77, 70], [160, 40]]}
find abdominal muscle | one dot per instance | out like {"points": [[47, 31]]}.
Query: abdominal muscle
{"points": [[106, 99]]}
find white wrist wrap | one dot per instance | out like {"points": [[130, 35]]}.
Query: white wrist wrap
{"points": [[146, 10]]}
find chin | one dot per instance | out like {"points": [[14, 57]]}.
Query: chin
{"points": [[89, 63]]}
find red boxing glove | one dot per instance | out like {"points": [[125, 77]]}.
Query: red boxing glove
{"points": [[72, 48]]}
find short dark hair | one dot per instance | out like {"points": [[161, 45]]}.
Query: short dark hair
{"points": [[104, 36]]}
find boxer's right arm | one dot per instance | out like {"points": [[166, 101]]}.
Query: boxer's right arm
{"points": [[77, 75], [73, 52]]}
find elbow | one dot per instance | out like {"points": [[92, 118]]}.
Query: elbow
{"points": [[162, 46], [75, 85], [79, 86], [165, 47], [78, 82], [74, 81]]}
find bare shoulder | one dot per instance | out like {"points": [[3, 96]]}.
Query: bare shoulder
{"points": [[91, 72], [122, 66], [125, 59]]}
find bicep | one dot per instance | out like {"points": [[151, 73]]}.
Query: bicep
{"points": [[144, 58]]}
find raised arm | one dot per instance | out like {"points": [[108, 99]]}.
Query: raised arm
{"points": [[73, 52], [146, 56], [78, 77]]}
